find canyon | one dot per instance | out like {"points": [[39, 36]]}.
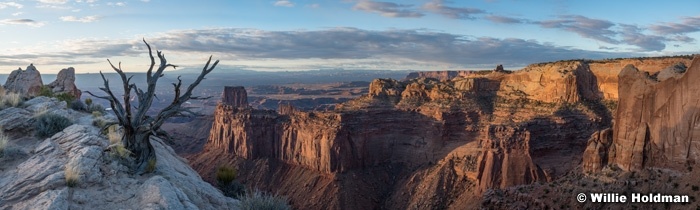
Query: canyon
{"points": [[463, 140]]}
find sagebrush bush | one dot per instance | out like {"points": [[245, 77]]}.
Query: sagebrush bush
{"points": [[226, 175], [49, 124], [67, 97], [96, 114], [234, 189], [258, 200], [78, 105], [114, 135], [95, 108]]}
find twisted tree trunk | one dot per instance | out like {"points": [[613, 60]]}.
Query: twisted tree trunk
{"points": [[139, 127]]}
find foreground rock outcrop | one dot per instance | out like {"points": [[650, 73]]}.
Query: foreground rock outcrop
{"points": [[35, 175], [65, 83], [26, 82]]}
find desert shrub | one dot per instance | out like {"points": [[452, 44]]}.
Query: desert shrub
{"points": [[4, 139], [49, 124], [88, 101], [114, 135], [78, 105], [46, 91], [68, 98], [10, 100], [118, 150], [234, 189], [95, 108], [258, 200], [72, 177], [96, 114], [226, 175], [151, 166]]}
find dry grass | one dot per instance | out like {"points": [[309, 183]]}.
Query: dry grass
{"points": [[10, 100], [4, 139], [114, 135], [72, 176]]}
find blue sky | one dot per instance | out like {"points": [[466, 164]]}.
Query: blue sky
{"points": [[279, 35]]}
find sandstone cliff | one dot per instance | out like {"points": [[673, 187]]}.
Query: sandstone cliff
{"points": [[439, 75], [656, 121], [425, 143]]}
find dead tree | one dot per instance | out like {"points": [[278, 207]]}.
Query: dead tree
{"points": [[138, 127]]}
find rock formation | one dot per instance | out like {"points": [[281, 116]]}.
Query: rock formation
{"points": [[439, 75], [656, 120], [235, 96], [25, 82], [34, 175], [431, 144], [65, 83]]}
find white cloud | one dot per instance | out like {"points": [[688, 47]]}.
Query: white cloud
{"points": [[53, 1], [313, 6], [284, 3], [4, 5], [117, 4], [86, 19], [145, 0], [17, 13], [28, 22]]}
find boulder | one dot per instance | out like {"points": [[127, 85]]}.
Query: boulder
{"points": [[65, 83], [26, 82]]}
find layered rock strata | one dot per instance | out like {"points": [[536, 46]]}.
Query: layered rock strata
{"points": [[656, 121]]}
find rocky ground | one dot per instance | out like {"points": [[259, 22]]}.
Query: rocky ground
{"points": [[74, 169]]}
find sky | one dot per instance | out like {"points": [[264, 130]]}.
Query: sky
{"points": [[289, 35]]}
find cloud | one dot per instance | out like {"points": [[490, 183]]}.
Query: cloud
{"points": [[28, 22], [437, 6], [4, 5], [348, 48], [283, 3], [687, 25], [17, 13], [387, 9], [53, 1], [86, 19], [313, 6], [632, 34], [117, 4], [586, 27], [504, 19]]}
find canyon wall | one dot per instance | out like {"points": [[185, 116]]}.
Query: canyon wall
{"points": [[657, 122], [431, 143]]}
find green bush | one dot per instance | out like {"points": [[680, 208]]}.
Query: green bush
{"points": [[78, 105], [68, 98], [49, 124], [95, 108], [88, 101], [226, 175], [234, 189], [46, 91], [258, 200]]}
